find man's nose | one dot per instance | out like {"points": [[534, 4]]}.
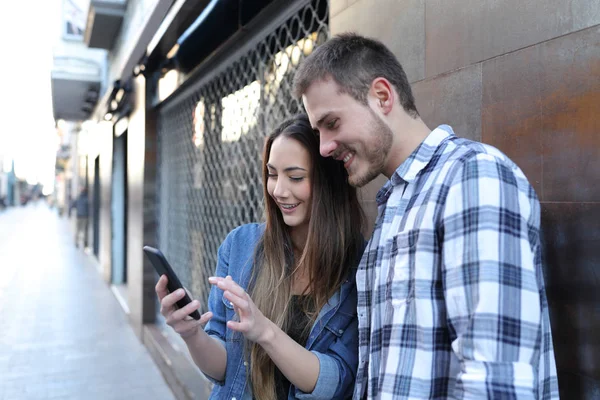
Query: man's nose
{"points": [[326, 146]]}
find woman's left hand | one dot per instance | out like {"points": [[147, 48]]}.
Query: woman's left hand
{"points": [[252, 324]]}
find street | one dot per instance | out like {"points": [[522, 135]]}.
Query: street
{"points": [[63, 334]]}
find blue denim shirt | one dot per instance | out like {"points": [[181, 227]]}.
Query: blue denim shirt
{"points": [[333, 337]]}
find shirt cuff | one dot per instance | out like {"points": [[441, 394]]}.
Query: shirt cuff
{"points": [[327, 382]]}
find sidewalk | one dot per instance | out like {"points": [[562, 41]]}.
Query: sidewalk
{"points": [[62, 333]]}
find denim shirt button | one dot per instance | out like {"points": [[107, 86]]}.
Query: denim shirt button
{"points": [[245, 363], [341, 331]]}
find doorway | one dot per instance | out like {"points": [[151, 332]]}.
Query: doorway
{"points": [[119, 213]]}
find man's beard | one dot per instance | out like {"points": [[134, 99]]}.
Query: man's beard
{"points": [[375, 152]]}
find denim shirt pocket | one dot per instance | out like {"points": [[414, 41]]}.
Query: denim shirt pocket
{"points": [[333, 329]]}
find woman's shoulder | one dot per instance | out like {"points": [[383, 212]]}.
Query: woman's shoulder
{"points": [[246, 234]]}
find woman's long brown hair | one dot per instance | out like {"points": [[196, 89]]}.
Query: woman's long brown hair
{"points": [[331, 250]]}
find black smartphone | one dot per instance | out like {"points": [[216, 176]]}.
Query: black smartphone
{"points": [[162, 267]]}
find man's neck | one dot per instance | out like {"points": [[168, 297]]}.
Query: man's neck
{"points": [[409, 133]]}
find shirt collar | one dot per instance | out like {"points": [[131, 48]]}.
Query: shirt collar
{"points": [[419, 158]]}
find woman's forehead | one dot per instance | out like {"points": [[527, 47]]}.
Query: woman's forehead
{"points": [[286, 151]]}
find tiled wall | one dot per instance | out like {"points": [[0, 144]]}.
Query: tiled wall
{"points": [[524, 76]]}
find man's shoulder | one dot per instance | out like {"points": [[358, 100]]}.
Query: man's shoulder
{"points": [[459, 152], [464, 148]]}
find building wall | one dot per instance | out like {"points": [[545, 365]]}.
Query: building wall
{"points": [[137, 16], [141, 210], [524, 76], [100, 144]]}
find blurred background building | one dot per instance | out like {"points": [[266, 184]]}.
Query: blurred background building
{"points": [[161, 107]]}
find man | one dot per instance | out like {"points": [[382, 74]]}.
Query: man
{"points": [[451, 297], [82, 206]]}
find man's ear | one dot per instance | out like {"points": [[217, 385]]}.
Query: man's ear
{"points": [[382, 92]]}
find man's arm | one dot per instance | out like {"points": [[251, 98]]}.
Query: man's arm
{"points": [[490, 287]]}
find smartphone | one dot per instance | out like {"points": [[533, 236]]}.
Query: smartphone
{"points": [[162, 267]]}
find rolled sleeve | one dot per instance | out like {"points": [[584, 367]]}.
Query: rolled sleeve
{"points": [[337, 367], [327, 382], [490, 283]]}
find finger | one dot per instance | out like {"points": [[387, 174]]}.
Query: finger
{"points": [[204, 318], [183, 327], [214, 280], [187, 326], [229, 284], [168, 302], [161, 287], [185, 311], [238, 326], [237, 301]]}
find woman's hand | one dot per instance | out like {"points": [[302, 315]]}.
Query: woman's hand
{"points": [[179, 319], [252, 324]]}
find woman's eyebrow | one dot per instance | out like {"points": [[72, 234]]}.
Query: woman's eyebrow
{"points": [[293, 168]]}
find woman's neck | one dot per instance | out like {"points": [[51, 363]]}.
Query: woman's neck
{"points": [[301, 277], [298, 235]]}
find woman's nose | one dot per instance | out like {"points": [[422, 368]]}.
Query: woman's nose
{"points": [[280, 189]]}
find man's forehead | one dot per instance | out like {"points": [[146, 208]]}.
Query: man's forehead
{"points": [[326, 84], [320, 97]]}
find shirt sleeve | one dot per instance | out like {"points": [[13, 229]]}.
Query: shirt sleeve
{"points": [[337, 367], [489, 277]]}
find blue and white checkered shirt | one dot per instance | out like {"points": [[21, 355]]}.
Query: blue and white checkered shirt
{"points": [[451, 298]]}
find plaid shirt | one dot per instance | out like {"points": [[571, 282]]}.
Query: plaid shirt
{"points": [[451, 298]]}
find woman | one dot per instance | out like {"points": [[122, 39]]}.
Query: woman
{"points": [[282, 322]]}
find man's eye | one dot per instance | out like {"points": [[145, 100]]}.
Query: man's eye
{"points": [[331, 124]]}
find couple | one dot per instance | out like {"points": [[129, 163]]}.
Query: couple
{"points": [[446, 300]]}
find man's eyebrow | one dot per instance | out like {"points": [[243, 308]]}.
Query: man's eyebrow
{"points": [[320, 121], [288, 169]]}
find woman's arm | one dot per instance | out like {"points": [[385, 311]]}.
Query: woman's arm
{"points": [[208, 353], [303, 368], [300, 366]]}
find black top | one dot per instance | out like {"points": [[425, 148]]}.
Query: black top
{"points": [[297, 332]]}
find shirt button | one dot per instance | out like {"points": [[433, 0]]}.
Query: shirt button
{"points": [[341, 331], [246, 363], [233, 398]]}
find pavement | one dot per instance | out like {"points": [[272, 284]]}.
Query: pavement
{"points": [[63, 334]]}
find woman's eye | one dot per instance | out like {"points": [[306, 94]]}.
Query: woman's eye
{"points": [[296, 178], [331, 124], [271, 175]]}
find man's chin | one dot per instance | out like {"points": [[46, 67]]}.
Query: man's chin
{"points": [[359, 181]]}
